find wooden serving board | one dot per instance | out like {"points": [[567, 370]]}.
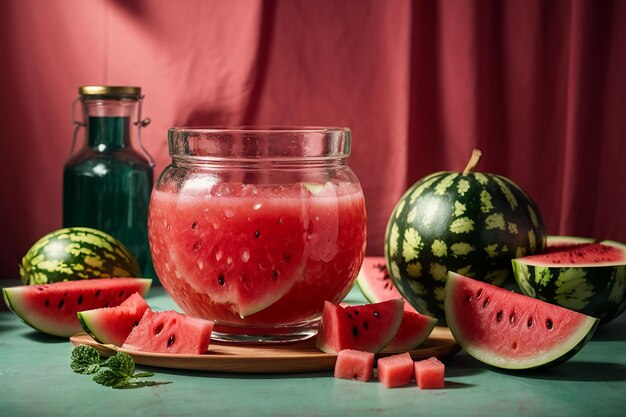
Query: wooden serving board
{"points": [[267, 358]]}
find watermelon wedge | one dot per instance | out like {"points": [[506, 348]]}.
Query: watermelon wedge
{"points": [[53, 308], [375, 282], [414, 330], [170, 332], [512, 331], [367, 327], [112, 325]]}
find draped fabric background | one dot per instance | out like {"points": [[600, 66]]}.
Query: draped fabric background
{"points": [[539, 86]]}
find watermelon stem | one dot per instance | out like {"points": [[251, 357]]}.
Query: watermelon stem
{"points": [[473, 161]]}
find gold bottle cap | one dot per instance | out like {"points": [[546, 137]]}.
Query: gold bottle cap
{"points": [[109, 91]]}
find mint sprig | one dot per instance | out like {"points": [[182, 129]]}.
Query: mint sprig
{"points": [[121, 373]]}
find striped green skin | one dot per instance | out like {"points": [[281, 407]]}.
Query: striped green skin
{"points": [[473, 224], [77, 253], [595, 290]]}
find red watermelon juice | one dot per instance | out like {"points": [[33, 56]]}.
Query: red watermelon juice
{"points": [[258, 259]]}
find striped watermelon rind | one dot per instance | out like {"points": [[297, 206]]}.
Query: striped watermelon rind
{"points": [[470, 223], [594, 289], [77, 253]]}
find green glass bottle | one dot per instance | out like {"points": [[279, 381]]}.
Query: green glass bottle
{"points": [[107, 182]]}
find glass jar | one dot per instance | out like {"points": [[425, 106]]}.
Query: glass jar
{"points": [[107, 182], [256, 228]]}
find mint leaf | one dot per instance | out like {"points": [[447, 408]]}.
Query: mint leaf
{"points": [[112, 378], [123, 363], [85, 360]]}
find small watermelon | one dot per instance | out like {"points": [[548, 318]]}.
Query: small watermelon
{"points": [[367, 327], [53, 308], [467, 222], [509, 330], [413, 331], [170, 332], [578, 274], [112, 325], [77, 253], [376, 284]]}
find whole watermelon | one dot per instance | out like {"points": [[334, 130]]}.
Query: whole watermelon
{"points": [[471, 223], [77, 253]]}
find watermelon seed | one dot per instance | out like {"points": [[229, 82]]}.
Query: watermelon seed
{"points": [[97, 293], [47, 303], [286, 258], [356, 312], [280, 220], [159, 329], [257, 234], [486, 302], [514, 346], [499, 315], [529, 323], [376, 314], [61, 303], [478, 295], [365, 325], [275, 274], [512, 318], [171, 341], [549, 324], [468, 299], [355, 331], [348, 314], [40, 288], [136, 323], [196, 246], [194, 225], [220, 280], [106, 304], [80, 299], [121, 293]]}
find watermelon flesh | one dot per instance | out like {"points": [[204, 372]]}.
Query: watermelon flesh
{"points": [[414, 330], [354, 364], [365, 327], [170, 332], [395, 371], [375, 282], [53, 308], [512, 331], [429, 374], [112, 325]]}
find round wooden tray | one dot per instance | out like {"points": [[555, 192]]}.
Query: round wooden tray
{"points": [[267, 358]]}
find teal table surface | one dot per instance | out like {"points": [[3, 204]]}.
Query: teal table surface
{"points": [[37, 380]]}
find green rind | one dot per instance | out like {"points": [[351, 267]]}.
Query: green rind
{"points": [[594, 290], [413, 240], [568, 348], [61, 325], [79, 253]]}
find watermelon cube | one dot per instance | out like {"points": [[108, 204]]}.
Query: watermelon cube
{"points": [[396, 370], [354, 364], [429, 374]]}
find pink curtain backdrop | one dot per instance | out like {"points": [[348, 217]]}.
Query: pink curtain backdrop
{"points": [[539, 86]]}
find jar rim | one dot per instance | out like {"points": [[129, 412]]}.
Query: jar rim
{"points": [[259, 129], [274, 143]]}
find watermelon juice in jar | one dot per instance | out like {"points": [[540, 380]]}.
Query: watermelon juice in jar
{"points": [[256, 228]]}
